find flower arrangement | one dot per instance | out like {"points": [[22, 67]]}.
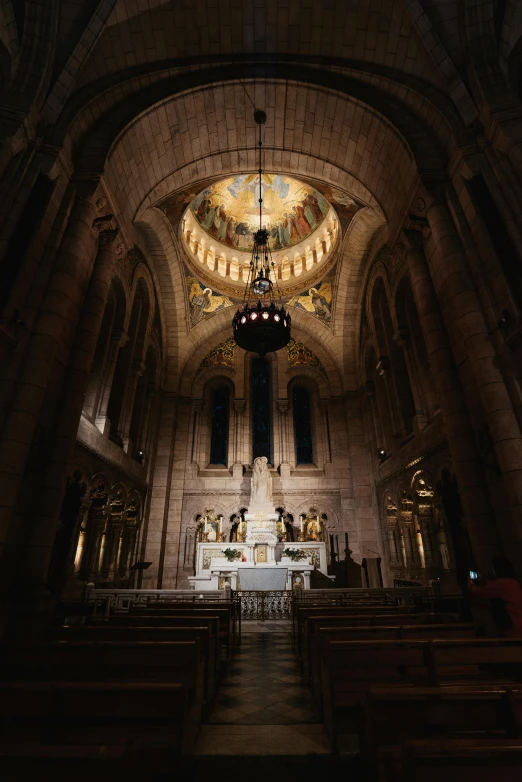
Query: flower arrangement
{"points": [[295, 554], [232, 553]]}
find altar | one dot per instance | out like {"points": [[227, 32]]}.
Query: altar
{"points": [[259, 559]]}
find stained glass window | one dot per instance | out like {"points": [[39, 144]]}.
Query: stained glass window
{"points": [[303, 426], [261, 445], [219, 436]]}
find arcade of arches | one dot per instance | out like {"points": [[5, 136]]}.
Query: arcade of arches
{"points": [[393, 193]]}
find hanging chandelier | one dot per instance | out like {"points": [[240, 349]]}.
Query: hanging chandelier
{"points": [[262, 324]]}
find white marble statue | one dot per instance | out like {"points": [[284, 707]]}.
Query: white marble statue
{"points": [[261, 489]]}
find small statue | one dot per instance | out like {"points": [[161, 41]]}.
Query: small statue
{"points": [[261, 491]]}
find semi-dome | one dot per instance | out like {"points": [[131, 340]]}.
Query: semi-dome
{"points": [[219, 224]]}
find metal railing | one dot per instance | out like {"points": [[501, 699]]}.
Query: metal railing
{"points": [[264, 605]]}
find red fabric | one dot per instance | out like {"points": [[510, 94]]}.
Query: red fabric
{"points": [[508, 590]]}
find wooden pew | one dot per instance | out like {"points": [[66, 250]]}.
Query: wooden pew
{"points": [[313, 622], [393, 715], [462, 660], [141, 661], [301, 615], [107, 632], [149, 716], [371, 633], [350, 668], [225, 614], [63, 763], [494, 760]]}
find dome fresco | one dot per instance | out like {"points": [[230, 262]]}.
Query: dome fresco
{"points": [[228, 210]]}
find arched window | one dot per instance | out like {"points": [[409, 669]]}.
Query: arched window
{"points": [[219, 425], [261, 445], [302, 425]]}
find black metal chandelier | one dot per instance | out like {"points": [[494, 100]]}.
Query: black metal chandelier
{"points": [[262, 325]]}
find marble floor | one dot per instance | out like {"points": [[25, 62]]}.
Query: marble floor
{"points": [[263, 707]]}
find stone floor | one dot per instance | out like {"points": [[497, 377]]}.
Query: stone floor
{"points": [[263, 707], [264, 685]]}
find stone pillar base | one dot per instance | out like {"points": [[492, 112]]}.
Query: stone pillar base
{"points": [[284, 471], [237, 471]]}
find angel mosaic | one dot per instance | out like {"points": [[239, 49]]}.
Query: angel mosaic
{"points": [[203, 301], [317, 301]]}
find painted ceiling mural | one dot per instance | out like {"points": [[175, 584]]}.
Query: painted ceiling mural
{"points": [[274, 193], [203, 301], [318, 300], [228, 210], [299, 355], [222, 355]]}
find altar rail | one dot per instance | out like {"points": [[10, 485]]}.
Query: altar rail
{"points": [[262, 605], [107, 600], [393, 595]]}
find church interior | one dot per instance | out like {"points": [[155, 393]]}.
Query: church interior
{"points": [[261, 389]]}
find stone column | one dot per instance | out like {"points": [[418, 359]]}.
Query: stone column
{"points": [[382, 368], [118, 340], [146, 425], [197, 408], [401, 337], [507, 137], [239, 409], [427, 541], [392, 545], [66, 425], [324, 405], [64, 293], [465, 322], [155, 538], [113, 547], [138, 368], [284, 469], [459, 433]]}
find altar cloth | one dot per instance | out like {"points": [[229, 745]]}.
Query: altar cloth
{"points": [[263, 579]]}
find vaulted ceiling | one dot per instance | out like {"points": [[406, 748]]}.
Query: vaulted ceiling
{"points": [[157, 96]]}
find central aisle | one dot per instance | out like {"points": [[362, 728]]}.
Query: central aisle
{"points": [[263, 707]]}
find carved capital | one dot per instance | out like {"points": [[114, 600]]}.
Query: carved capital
{"points": [[239, 406], [369, 389], [105, 223], [138, 367], [282, 406], [435, 188], [85, 188], [402, 337], [324, 405], [382, 366], [106, 239], [416, 232], [119, 337]]}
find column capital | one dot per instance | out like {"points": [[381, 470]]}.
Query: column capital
{"points": [[402, 337], [435, 185], [119, 337], [382, 365], [416, 232], [138, 367], [282, 405], [369, 389], [106, 239], [85, 188], [239, 405], [104, 222]]}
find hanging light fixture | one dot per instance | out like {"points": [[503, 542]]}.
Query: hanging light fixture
{"points": [[262, 324]]}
